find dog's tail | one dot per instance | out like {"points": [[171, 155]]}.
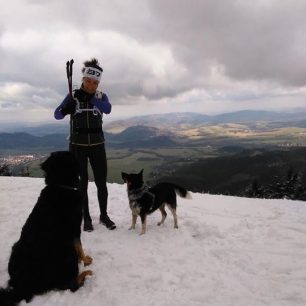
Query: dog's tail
{"points": [[181, 191], [8, 297]]}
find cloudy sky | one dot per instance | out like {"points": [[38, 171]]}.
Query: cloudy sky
{"points": [[158, 56]]}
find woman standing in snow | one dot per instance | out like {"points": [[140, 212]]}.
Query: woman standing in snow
{"points": [[86, 107]]}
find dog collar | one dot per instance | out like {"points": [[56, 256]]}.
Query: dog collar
{"points": [[137, 193], [68, 187]]}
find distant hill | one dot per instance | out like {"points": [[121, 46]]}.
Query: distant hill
{"points": [[135, 137], [251, 116], [140, 137], [19, 141], [38, 129], [163, 121], [138, 132], [248, 128]]}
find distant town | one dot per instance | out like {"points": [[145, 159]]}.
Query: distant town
{"points": [[16, 164], [18, 159]]}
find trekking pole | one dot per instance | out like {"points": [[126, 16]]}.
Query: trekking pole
{"points": [[69, 75]]}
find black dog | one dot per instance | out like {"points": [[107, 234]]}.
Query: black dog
{"points": [[144, 200], [49, 249]]}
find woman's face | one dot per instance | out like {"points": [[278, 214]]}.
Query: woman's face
{"points": [[90, 85]]}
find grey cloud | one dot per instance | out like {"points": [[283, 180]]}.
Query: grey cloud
{"points": [[250, 40], [7, 105], [261, 41]]}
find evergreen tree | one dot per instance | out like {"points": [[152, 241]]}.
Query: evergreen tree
{"points": [[25, 171], [287, 187], [5, 170], [290, 187], [255, 190]]}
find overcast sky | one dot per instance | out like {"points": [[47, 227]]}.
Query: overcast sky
{"points": [[207, 56]]}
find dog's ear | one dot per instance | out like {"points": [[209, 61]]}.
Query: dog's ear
{"points": [[47, 164], [141, 172], [124, 176]]}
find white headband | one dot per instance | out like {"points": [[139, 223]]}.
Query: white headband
{"points": [[92, 73]]}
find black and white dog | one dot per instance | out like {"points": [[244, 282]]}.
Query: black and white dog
{"points": [[145, 200]]}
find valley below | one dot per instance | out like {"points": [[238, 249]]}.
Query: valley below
{"points": [[176, 146]]}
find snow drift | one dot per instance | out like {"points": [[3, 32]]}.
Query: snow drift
{"points": [[227, 251]]}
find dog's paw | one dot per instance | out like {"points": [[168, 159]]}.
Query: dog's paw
{"points": [[87, 260], [82, 276], [131, 227]]}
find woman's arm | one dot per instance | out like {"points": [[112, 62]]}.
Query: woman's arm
{"points": [[102, 103], [65, 108]]}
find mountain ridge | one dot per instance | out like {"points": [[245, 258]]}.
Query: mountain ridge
{"points": [[163, 121], [136, 136]]}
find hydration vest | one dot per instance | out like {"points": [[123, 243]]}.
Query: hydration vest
{"points": [[86, 122]]}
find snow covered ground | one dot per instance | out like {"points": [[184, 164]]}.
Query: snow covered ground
{"points": [[227, 251]]}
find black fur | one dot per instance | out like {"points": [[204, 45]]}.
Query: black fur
{"points": [[144, 200], [44, 257]]}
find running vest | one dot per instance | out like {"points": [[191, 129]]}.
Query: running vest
{"points": [[86, 122]]}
